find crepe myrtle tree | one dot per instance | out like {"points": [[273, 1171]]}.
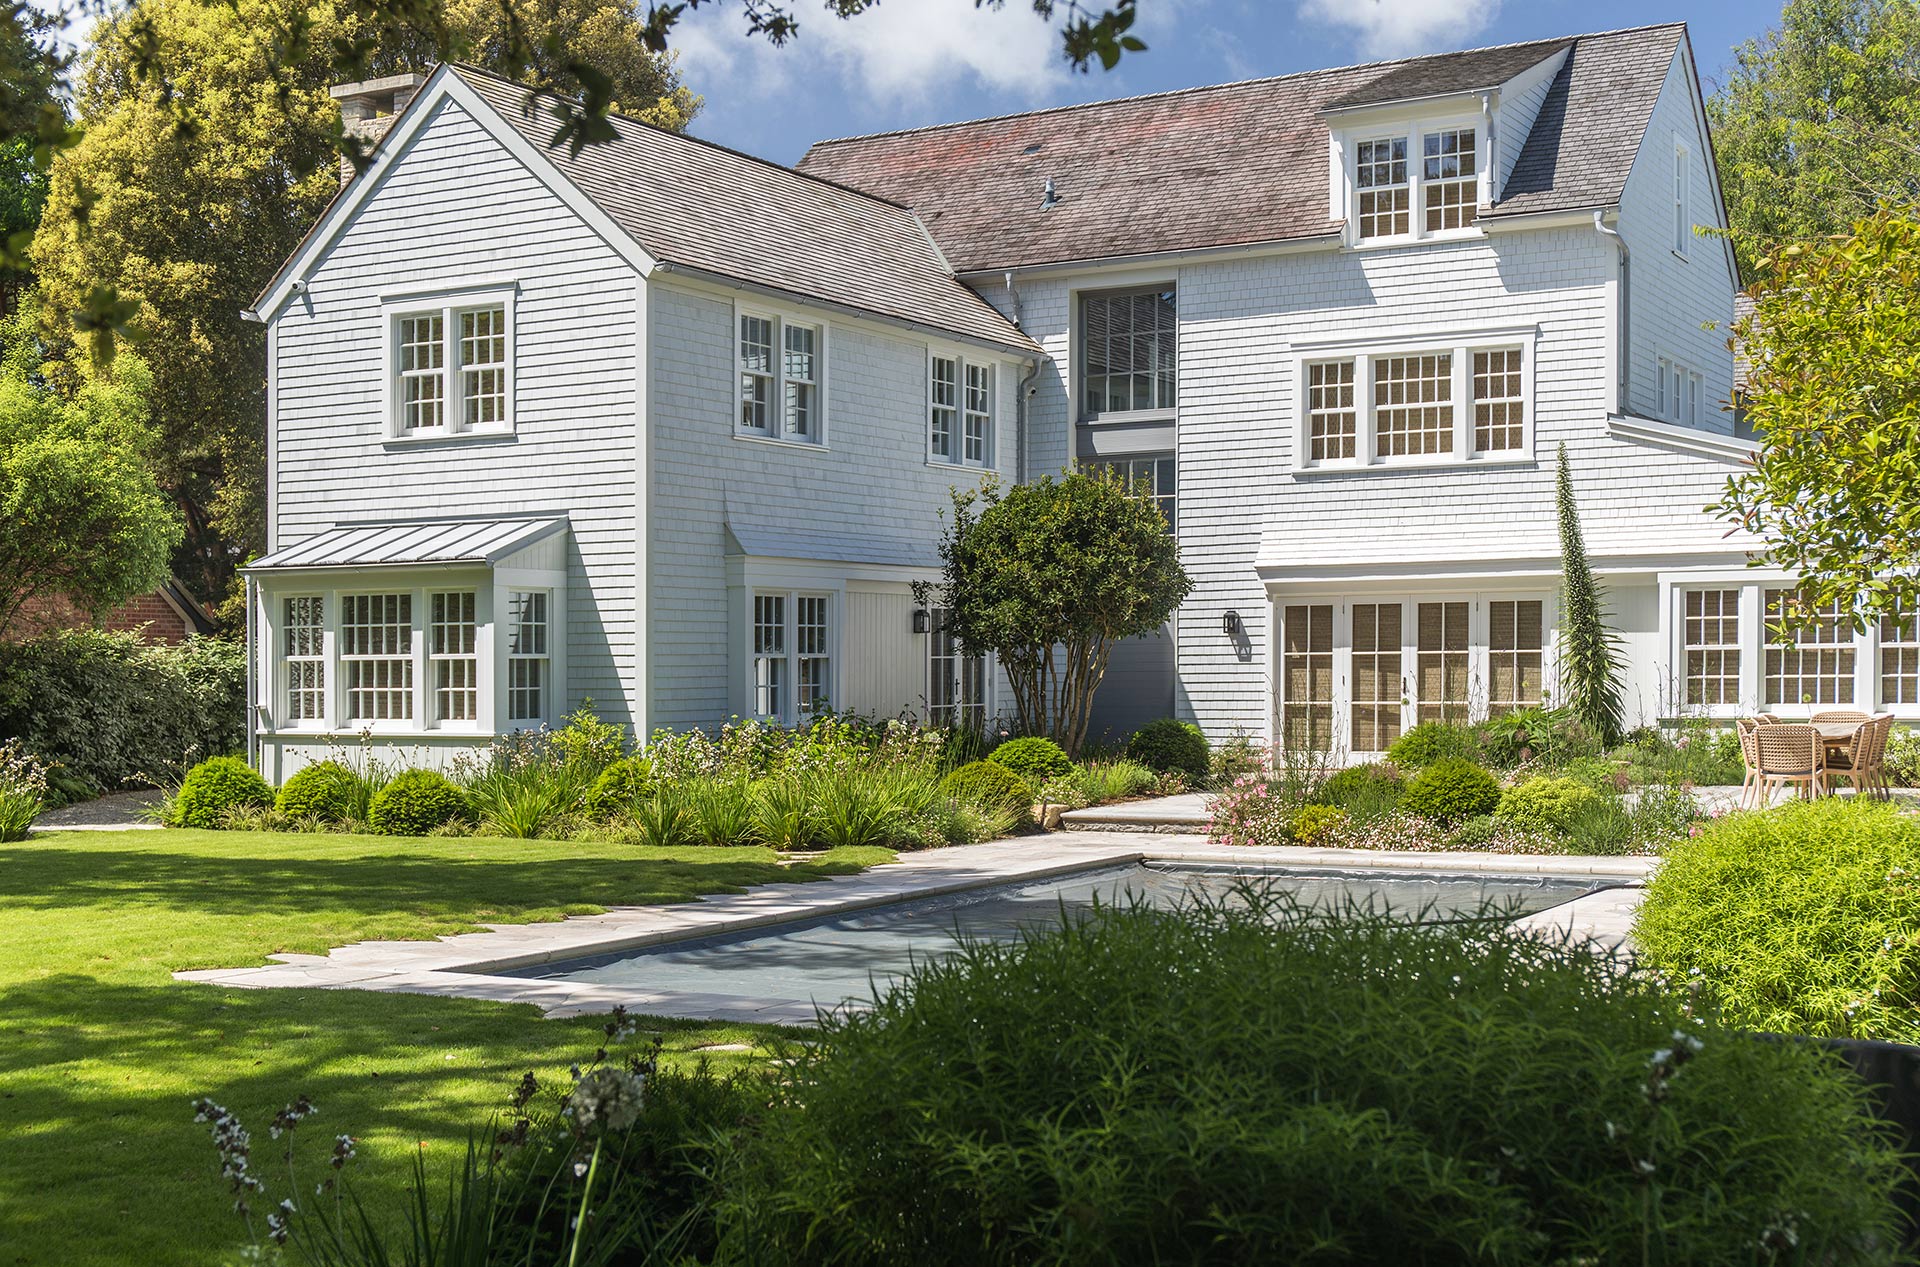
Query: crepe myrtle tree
{"points": [[1047, 577], [1833, 394]]}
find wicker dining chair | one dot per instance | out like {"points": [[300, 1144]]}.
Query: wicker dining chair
{"points": [[1790, 755], [1864, 764], [1766, 719], [1747, 729], [1842, 715]]}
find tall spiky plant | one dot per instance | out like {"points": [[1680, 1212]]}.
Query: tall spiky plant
{"points": [[1589, 650]]}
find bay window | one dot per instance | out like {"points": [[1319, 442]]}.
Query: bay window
{"points": [[528, 655], [1465, 401], [303, 635], [782, 374], [1742, 647], [452, 656], [376, 656], [451, 363]]}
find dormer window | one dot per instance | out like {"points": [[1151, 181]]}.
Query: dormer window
{"points": [[1418, 183], [1447, 176], [1382, 177]]}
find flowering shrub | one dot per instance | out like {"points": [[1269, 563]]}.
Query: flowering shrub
{"points": [[23, 790], [1034, 758], [1252, 810], [213, 789], [415, 803]]}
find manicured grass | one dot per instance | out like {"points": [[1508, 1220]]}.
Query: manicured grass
{"points": [[101, 1051]]}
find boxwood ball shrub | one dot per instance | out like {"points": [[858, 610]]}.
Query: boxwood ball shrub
{"points": [[989, 784], [1458, 1093], [1171, 746], [1800, 920], [416, 802], [1432, 741], [1546, 804], [1450, 790], [1312, 824], [215, 786], [1034, 758], [619, 787], [323, 790]]}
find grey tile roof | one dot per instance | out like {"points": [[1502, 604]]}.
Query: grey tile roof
{"points": [[709, 209], [409, 544], [1238, 163]]}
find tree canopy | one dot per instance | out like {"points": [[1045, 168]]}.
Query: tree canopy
{"points": [[85, 519], [1834, 397], [1818, 122], [1048, 576]]}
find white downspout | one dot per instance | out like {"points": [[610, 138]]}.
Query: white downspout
{"points": [[1624, 349]]}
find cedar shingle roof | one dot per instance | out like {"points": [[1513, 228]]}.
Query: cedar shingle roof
{"points": [[1238, 163], [706, 208]]}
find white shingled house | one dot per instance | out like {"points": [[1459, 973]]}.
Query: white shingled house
{"points": [[669, 427]]}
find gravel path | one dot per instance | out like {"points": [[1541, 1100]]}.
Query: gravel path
{"points": [[118, 811]]}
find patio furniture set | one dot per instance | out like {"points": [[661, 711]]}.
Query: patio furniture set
{"points": [[1810, 757]]}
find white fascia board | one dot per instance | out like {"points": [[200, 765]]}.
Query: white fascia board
{"points": [[1710, 444], [443, 86], [1404, 574]]}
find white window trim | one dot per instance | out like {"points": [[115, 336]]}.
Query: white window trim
{"points": [[781, 319], [960, 363], [1680, 392], [1078, 365], [1461, 346], [549, 685], [790, 613], [1412, 131], [282, 676], [987, 674], [448, 304], [1682, 200]]}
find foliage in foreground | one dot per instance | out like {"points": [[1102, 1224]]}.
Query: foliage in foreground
{"points": [[1113, 1092], [1801, 920]]}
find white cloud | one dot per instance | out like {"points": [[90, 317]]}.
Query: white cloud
{"points": [[910, 52], [1399, 28]]}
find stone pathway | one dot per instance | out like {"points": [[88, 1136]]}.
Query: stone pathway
{"points": [[117, 811]]}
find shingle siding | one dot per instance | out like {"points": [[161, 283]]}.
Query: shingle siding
{"points": [[461, 210]]}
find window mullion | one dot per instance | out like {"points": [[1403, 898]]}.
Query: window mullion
{"points": [[1462, 404], [454, 382], [1363, 398]]}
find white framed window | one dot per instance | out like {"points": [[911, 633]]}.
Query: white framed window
{"points": [[1463, 401], [451, 359], [453, 655], [1152, 477], [1306, 676], [1442, 664], [956, 682], [303, 633], [1682, 218], [781, 366], [1710, 648], [792, 640], [1899, 661], [1449, 179], [960, 408], [529, 655], [1516, 653], [1378, 689], [1128, 352], [376, 656], [1412, 184], [1679, 393], [1816, 665], [1385, 195]]}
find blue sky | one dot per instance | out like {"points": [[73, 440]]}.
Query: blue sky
{"points": [[912, 62]]}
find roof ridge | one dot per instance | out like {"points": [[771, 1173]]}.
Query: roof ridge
{"points": [[1235, 83], [470, 68]]}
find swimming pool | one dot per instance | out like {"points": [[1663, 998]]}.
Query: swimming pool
{"points": [[831, 959]]}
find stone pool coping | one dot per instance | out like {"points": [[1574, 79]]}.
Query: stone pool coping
{"points": [[459, 965]]}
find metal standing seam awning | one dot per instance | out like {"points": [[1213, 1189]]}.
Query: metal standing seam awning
{"points": [[470, 541]]}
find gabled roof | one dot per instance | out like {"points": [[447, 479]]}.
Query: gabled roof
{"points": [[1240, 163], [699, 207], [438, 543]]}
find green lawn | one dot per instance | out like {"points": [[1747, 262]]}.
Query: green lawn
{"points": [[101, 1051]]}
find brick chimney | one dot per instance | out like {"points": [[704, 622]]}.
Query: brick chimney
{"points": [[368, 109]]}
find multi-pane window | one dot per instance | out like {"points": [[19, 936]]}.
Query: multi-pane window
{"points": [[1679, 391], [1710, 647], [1128, 352], [304, 635], [452, 370], [978, 414], [770, 655], [1499, 413], [453, 656], [956, 682], [1413, 404], [1899, 661], [1306, 677], [1815, 665], [813, 652], [1152, 477], [1376, 675], [376, 656], [1441, 661], [1332, 421], [792, 655], [1384, 196], [943, 406], [780, 369], [1449, 185], [528, 654], [423, 379], [1516, 650], [1682, 220], [483, 366]]}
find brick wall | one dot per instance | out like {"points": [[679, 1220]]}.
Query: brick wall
{"points": [[149, 613]]}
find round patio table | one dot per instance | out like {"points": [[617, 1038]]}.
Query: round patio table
{"points": [[1838, 735]]}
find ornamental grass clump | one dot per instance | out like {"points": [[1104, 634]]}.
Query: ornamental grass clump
{"points": [[987, 784], [1114, 1091], [213, 789], [1800, 920]]}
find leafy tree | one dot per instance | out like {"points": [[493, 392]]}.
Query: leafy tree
{"points": [[1818, 122], [1589, 650], [1833, 392], [1048, 576], [84, 517], [185, 195]]}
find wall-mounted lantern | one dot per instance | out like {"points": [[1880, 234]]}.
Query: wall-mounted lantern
{"points": [[922, 620], [1230, 625]]}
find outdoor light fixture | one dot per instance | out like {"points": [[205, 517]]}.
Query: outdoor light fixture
{"points": [[922, 620], [1230, 625]]}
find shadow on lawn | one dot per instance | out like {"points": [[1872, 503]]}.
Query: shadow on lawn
{"points": [[42, 877]]}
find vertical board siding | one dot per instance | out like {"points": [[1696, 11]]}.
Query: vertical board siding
{"points": [[459, 210], [885, 670]]}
